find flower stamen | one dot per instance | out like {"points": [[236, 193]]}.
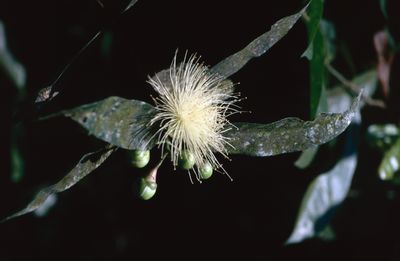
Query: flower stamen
{"points": [[192, 110]]}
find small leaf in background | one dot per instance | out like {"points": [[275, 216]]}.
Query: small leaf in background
{"points": [[366, 81], [118, 121], [257, 47], [306, 157], [338, 99], [382, 136], [106, 44], [108, 3], [15, 72], [288, 135], [390, 163], [383, 6], [130, 5], [11, 68], [100, 2], [87, 164], [17, 164], [329, 34], [385, 59]]}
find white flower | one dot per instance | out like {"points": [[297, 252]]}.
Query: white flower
{"points": [[192, 110]]}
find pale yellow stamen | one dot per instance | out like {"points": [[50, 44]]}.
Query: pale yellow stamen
{"points": [[192, 110]]}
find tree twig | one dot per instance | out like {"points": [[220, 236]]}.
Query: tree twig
{"points": [[354, 88]]}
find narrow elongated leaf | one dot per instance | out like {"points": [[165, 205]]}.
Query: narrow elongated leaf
{"points": [[288, 135], [106, 3], [321, 51], [329, 34], [315, 12], [257, 47], [317, 73], [88, 163], [15, 73], [315, 53], [383, 5], [17, 163], [118, 121], [8, 65], [130, 5]]}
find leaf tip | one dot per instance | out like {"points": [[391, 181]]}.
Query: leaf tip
{"points": [[356, 104]]}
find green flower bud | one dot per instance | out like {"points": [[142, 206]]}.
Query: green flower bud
{"points": [[186, 160], [139, 158], [206, 171], [147, 189]]}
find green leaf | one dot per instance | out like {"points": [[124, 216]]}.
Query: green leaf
{"points": [[118, 121], [257, 47], [315, 53], [306, 158], [390, 163], [8, 65], [383, 5], [106, 44], [328, 32], [382, 136], [317, 73], [17, 164], [88, 163], [315, 12], [288, 135]]}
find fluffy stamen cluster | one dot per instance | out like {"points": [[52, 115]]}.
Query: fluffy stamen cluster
{"points": [[192, 110]]}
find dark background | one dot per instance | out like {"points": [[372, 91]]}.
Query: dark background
{"points": [[249, 218]]}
